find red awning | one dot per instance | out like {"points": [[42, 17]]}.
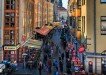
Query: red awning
{"points": [[43, 31]]}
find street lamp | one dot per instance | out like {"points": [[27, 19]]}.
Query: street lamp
{"points": [[24, 55]]}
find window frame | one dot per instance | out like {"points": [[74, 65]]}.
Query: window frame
{"points": [[101, 25], [102, 2]]}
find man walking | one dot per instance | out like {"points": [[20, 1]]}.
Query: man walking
{"points": [[40, 67]]}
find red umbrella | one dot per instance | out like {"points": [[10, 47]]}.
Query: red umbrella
{"points": [[81, 49]]}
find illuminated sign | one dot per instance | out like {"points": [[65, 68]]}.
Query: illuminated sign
{"points": [[11, 47]]}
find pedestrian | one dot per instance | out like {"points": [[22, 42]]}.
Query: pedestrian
{"points": [[55, 64], [68, 66], [56, 72], [40, 67], [61, 66], [45, 58], [52, 52], [62, 56], [49, 65]]}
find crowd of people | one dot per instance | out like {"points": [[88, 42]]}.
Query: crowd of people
{"points": [[56, 57]]}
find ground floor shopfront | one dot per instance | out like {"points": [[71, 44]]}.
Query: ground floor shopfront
{"points": [[14, 53], [95, 64]]}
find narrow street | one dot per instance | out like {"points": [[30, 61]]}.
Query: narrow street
{"points": [[57, 41]]}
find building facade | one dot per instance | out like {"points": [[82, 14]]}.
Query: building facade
{"points": [[19, 18], [92, 30], [11, 30], [1, 28], [17, 25], [62, 14]]}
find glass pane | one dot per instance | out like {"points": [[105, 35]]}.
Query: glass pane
{"points": [[7, 24], [7, 6], [103, 0], [6, 19], [12, 19], [7, 1], [103, 25], [13, 7], [12, 1]]}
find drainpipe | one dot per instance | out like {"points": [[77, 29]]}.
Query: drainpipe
{"points": [[95, 34]]}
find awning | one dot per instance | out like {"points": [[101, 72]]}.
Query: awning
{"points": [[56, 24], [34, 43], [44, 30], [50, 27]]}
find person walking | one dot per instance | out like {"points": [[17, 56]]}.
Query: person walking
{"points": [[40, 67], [49, 65], [62, 56], [45, 58], [55, 64], [61, 66]]}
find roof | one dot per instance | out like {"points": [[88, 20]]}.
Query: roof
{"points": [[61, 8]]}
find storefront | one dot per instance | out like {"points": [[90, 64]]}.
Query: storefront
{"points": [[30, 43], [96, 66], [103, 60], [11, 53]]}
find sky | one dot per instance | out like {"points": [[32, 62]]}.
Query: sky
{"points": [[65, 2]]}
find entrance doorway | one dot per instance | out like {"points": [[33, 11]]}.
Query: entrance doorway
{"points": [[103, 63]]}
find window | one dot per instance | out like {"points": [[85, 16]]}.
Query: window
{"points": [[103, 1], [83, 2], [10, 4], [103, 25], [9, 19], [79, 2]]}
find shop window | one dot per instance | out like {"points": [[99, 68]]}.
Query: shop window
{"points": [[103, 1], [103, 25], [12, 52]]}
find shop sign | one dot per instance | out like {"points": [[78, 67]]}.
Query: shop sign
{"points": [[10, 47]]}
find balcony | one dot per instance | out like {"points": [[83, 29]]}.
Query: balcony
{"points": [[78, 12]]}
